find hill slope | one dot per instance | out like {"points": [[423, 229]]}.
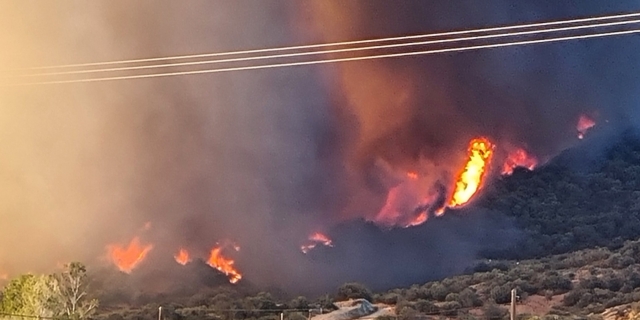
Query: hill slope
{"points": [[574, 202], [579, 255]]}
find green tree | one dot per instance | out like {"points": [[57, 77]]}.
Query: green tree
{"points": [[31, 295]]}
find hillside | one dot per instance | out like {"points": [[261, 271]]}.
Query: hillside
{"points": [[569, 204], [583, 283], [579, 255], [588, 196], [580, 283]]}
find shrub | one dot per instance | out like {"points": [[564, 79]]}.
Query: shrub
{"points": [[468, 298], [452, 297], [388, 298], [406, 311], [353, 290], [426, 307], [439, 292], [557, 283], [501, 294], [299, 303], [572, 298], [450, 308], [494, 312]]}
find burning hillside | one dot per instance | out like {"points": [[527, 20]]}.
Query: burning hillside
{"points": [[368, 152], [518, 158], [584, 124], [223, 264], [471, 178], [182, 257], [128, 257]]}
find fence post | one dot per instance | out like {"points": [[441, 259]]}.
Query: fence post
{"points": [[512, 311]]}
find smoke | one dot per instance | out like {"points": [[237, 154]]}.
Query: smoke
{"points": [[418, 113], [265, 158], [202, 159]]}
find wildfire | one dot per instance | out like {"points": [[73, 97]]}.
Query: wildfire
{"points": [[182, 257], [315, 239], [419, 219], [584, 124], [412, 175], [127, 259], [223, 264], [470, 179], [518, 158], [390, 212]]}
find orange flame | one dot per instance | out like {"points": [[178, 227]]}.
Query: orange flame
{"points": [[419, 219], [470, 179], [584, 124], [182, 257], [224, 265], [315, 239], [127, 259], [518, 158], [390, 213], [412, 175]]}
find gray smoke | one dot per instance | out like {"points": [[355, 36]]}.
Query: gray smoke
{"points": [[264, 158]]}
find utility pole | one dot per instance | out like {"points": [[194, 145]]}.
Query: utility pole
{"points": [[512, 310], [160, 313]]}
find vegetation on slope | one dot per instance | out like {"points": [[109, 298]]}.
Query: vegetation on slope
{"points": [[560, 208], [583, 283], [573, 202]]}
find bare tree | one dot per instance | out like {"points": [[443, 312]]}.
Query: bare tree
{"points": [[71, 289]]}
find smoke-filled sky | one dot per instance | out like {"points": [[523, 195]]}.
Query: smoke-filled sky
{"points": [[264, 158]]}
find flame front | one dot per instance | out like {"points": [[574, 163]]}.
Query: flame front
{"points": [[182, 257], [224, 265], [470, 179], [419, 219], [518, 158], [127, 259], [584, 124], [315, 239], [321, 238]]}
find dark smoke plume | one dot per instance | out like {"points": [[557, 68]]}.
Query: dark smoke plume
{"points": [[265, 158]]}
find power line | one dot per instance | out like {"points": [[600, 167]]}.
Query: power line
{"points": [[419, 36], [325, 61], [289, 55]]}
